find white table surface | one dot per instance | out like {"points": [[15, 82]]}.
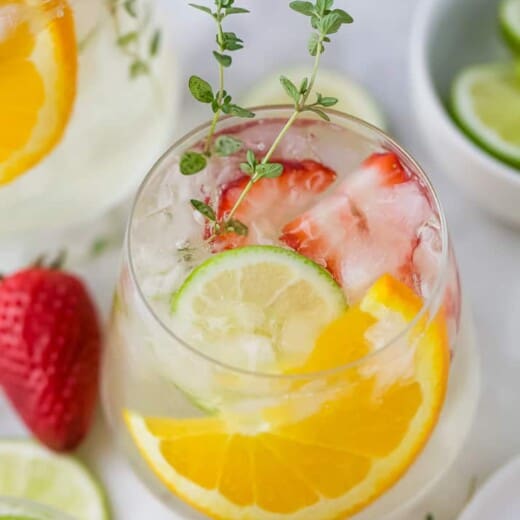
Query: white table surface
{"points": [[374, 51]]}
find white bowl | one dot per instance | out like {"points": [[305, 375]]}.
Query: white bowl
{"points": [[448, 35]]}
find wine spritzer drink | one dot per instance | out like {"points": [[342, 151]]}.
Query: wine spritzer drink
{"points": [[293, 362]]}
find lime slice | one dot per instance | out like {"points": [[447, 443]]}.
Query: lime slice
{"points": [[509, 17], [22, 509], [29, 471], [258, 308], [353, 98], [18, 517], [486, 104]]}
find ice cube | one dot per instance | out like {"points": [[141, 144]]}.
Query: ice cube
{"points": [[389, 218], [252, 352], [427, 257]]}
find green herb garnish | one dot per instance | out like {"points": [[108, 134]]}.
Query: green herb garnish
{"points": [[227, 145], [99, 246], [204, 209], [220, 101], [325, 20], [133, 42]]}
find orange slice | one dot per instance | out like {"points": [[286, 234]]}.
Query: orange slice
{"points": [[38, 67], [357, 440]]}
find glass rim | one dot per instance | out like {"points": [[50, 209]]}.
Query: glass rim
{"points": [[440, 280]]}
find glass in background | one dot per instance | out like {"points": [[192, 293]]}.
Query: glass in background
{"points": [[115, 70]]}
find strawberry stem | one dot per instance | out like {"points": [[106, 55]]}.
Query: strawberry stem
{"points": [[59, 261], [55, 264]]}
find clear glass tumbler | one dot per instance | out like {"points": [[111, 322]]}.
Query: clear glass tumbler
{"points": [[324, 421]]}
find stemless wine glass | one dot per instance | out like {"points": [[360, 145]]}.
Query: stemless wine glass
{"points": [[80, 81], [334, 425], [21, 509]]}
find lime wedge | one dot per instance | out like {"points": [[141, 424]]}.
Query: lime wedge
{"points": [[29, 471], [353, 98], [509, 17], [486, 104], [23, 509], [18, 517], [257, 308]]}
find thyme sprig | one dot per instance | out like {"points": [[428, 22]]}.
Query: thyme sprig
{"points": [[325, 20], [221, 101], [133, 42]]}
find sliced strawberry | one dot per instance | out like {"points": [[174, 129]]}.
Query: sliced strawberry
{"points": [[367, 227], [317, 233], [389, 167], [271, 202]]}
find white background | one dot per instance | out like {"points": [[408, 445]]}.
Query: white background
{"points": [[375, 52]]}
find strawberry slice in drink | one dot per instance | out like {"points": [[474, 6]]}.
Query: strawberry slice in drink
{"points": [[271, 203], [367, 227]]}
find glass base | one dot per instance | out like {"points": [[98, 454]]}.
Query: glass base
{"points": [[448, 438], [435, 461]]}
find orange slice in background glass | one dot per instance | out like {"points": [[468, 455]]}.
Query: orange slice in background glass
{"points": [[350, 446], [38, 69]]}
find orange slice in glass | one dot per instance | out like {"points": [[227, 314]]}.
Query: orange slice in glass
{"points": [[38, 67], [340, 456]]}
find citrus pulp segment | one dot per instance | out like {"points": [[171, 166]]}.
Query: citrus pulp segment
{"points": [[326, 465], [486, 104], [38, 67]]}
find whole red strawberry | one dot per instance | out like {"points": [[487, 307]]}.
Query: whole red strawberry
{"points": [[50, 345]]}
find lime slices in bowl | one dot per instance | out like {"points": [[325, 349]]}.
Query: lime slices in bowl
{"points": [[32, 472], [509, 18], [486, 104]]}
